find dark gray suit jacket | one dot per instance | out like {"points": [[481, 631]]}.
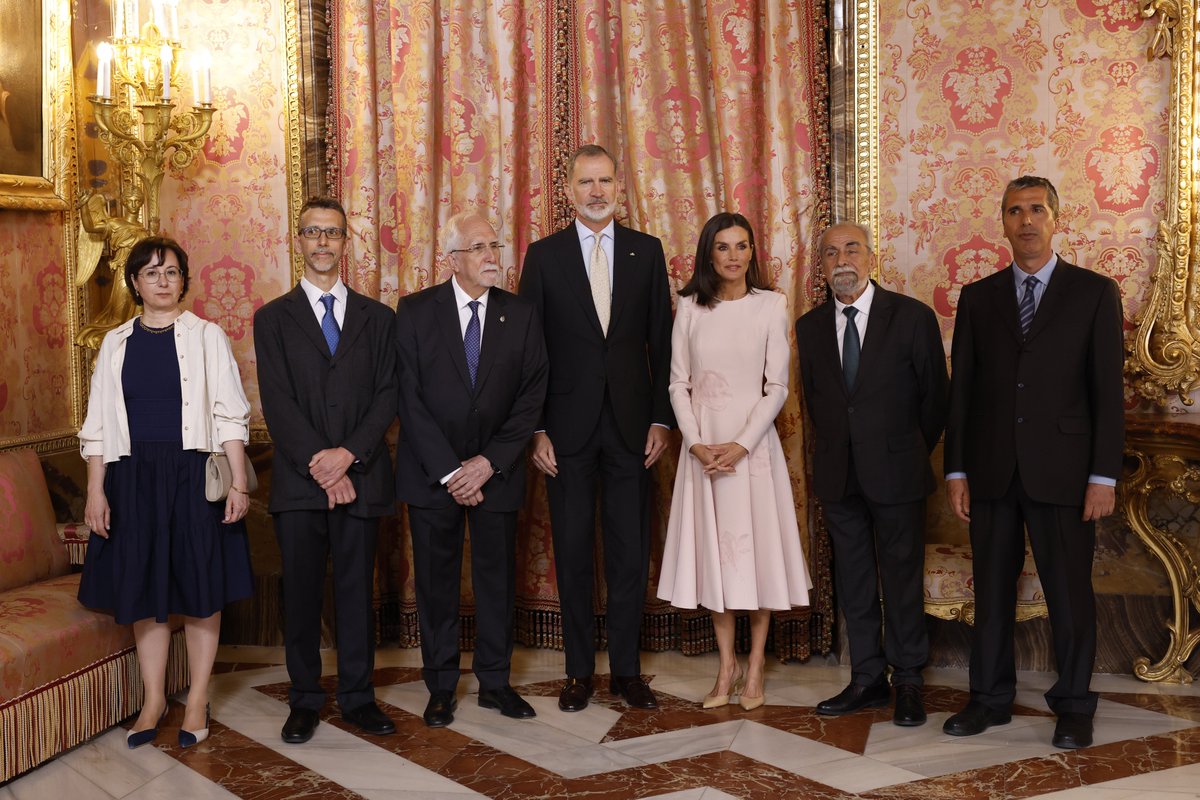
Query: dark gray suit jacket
{"points": [[890, 420], [1050, 406], [632, 364], [443, 420], [313, 401]]}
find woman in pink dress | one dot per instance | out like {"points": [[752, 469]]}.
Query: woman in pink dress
{"points": [[732, 540]]}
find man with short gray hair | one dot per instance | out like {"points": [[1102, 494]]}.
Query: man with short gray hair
{"points": [[472, 375], [874, 376]]}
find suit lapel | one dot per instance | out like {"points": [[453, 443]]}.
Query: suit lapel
{"points": [[451, 331], [1006, 301], [826, 344], [1053, 297], [353, 323], [624, 259], [306, 320], [878, 320], [577, 276], [495, 335]]}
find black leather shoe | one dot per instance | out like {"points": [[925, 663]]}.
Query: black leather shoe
{"points": [[636, 693], [575, 694], [910, 711], [368, 718], [1073, 731], [855, 697], [508, 701], [439, 711], [300, 725], [975, 718]]}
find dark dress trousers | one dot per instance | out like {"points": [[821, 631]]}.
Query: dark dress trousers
{"points": [[871, 472], [444, 421], [1030, 419], [313, 401], [604, 393]]}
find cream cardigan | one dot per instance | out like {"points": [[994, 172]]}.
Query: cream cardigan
{"points": [[105, 430]]}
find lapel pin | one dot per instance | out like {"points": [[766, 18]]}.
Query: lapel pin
{"points": [[502, 318], [633, 254]]}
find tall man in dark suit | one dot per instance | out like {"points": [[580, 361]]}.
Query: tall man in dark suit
{"points": [[472, 373], [874, 377], [1034, 443], [601, 291], [327, 379]]}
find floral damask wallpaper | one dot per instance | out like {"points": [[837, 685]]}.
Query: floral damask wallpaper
{"points": [[35, 360], [975, 93], [229, 207]]}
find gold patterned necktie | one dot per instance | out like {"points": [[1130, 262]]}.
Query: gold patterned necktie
{"points": [[601, 292]]}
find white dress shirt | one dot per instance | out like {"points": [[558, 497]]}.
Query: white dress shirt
{"points": [[587, 240], [314, 295]]}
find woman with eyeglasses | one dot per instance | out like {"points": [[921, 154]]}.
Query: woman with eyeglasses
{"points": [[165, 392]]}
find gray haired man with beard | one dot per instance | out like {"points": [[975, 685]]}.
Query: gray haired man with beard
{"points": [[875, 384]]}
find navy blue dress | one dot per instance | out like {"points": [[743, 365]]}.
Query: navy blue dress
{"points": [[167, 552]]}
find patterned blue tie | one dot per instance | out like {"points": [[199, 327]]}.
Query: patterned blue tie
{"points": [[851, 347], [1026, 310], [329, 325], [471, 341]]}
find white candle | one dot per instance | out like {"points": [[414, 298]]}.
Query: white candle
{"points": [[104, 71], [118, 19], [166, 72], [173, 19], [206, 84], [135, 16]]}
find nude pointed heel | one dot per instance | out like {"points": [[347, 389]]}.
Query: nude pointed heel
{"points": [[718, 700]]}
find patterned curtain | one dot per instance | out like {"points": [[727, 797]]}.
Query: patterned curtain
{"points": [[710, 106]]}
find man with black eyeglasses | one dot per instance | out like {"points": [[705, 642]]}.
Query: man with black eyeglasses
{"points": [[327, 379]]}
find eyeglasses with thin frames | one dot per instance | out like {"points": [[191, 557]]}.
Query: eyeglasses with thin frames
{"points": [[314, 232], [478, 249], [152, 275]]}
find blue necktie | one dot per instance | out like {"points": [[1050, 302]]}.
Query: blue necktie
{"points": [[1026, 309], [329, 325], [851, 347], [471, 341]]}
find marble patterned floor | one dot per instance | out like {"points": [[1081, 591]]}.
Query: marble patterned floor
{"points": [[1147, 744]]}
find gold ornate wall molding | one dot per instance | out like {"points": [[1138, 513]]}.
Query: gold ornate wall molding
{"points": [[865, 158], [1164, 350], [50, 193]]}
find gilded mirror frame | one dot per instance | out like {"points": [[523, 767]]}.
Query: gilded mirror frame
{"points": [[1164, 349], [47, 191]]}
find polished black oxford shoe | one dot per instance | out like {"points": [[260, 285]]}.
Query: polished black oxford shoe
{"points": [[301, 723], [439, 711], [507, 701], [855, 698]]}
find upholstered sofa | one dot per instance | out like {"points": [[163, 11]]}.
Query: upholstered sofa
{"points": [[66, 673]]}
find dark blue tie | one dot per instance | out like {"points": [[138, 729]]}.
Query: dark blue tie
{"points": [[1027, 308], [471, 341], [851, 347], [329, 325]]}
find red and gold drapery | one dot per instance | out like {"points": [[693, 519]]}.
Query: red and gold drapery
{"points": [[708, 106]]}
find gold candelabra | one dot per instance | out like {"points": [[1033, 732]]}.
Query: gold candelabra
{"points": [[137, 78]]}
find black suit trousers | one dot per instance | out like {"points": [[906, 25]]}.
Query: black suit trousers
{"points": [[880, 545], [1063, 548], [437, 540], [306, 541], [605, 461]]}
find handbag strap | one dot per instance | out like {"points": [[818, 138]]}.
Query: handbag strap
{"points": [[214, 447]]}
